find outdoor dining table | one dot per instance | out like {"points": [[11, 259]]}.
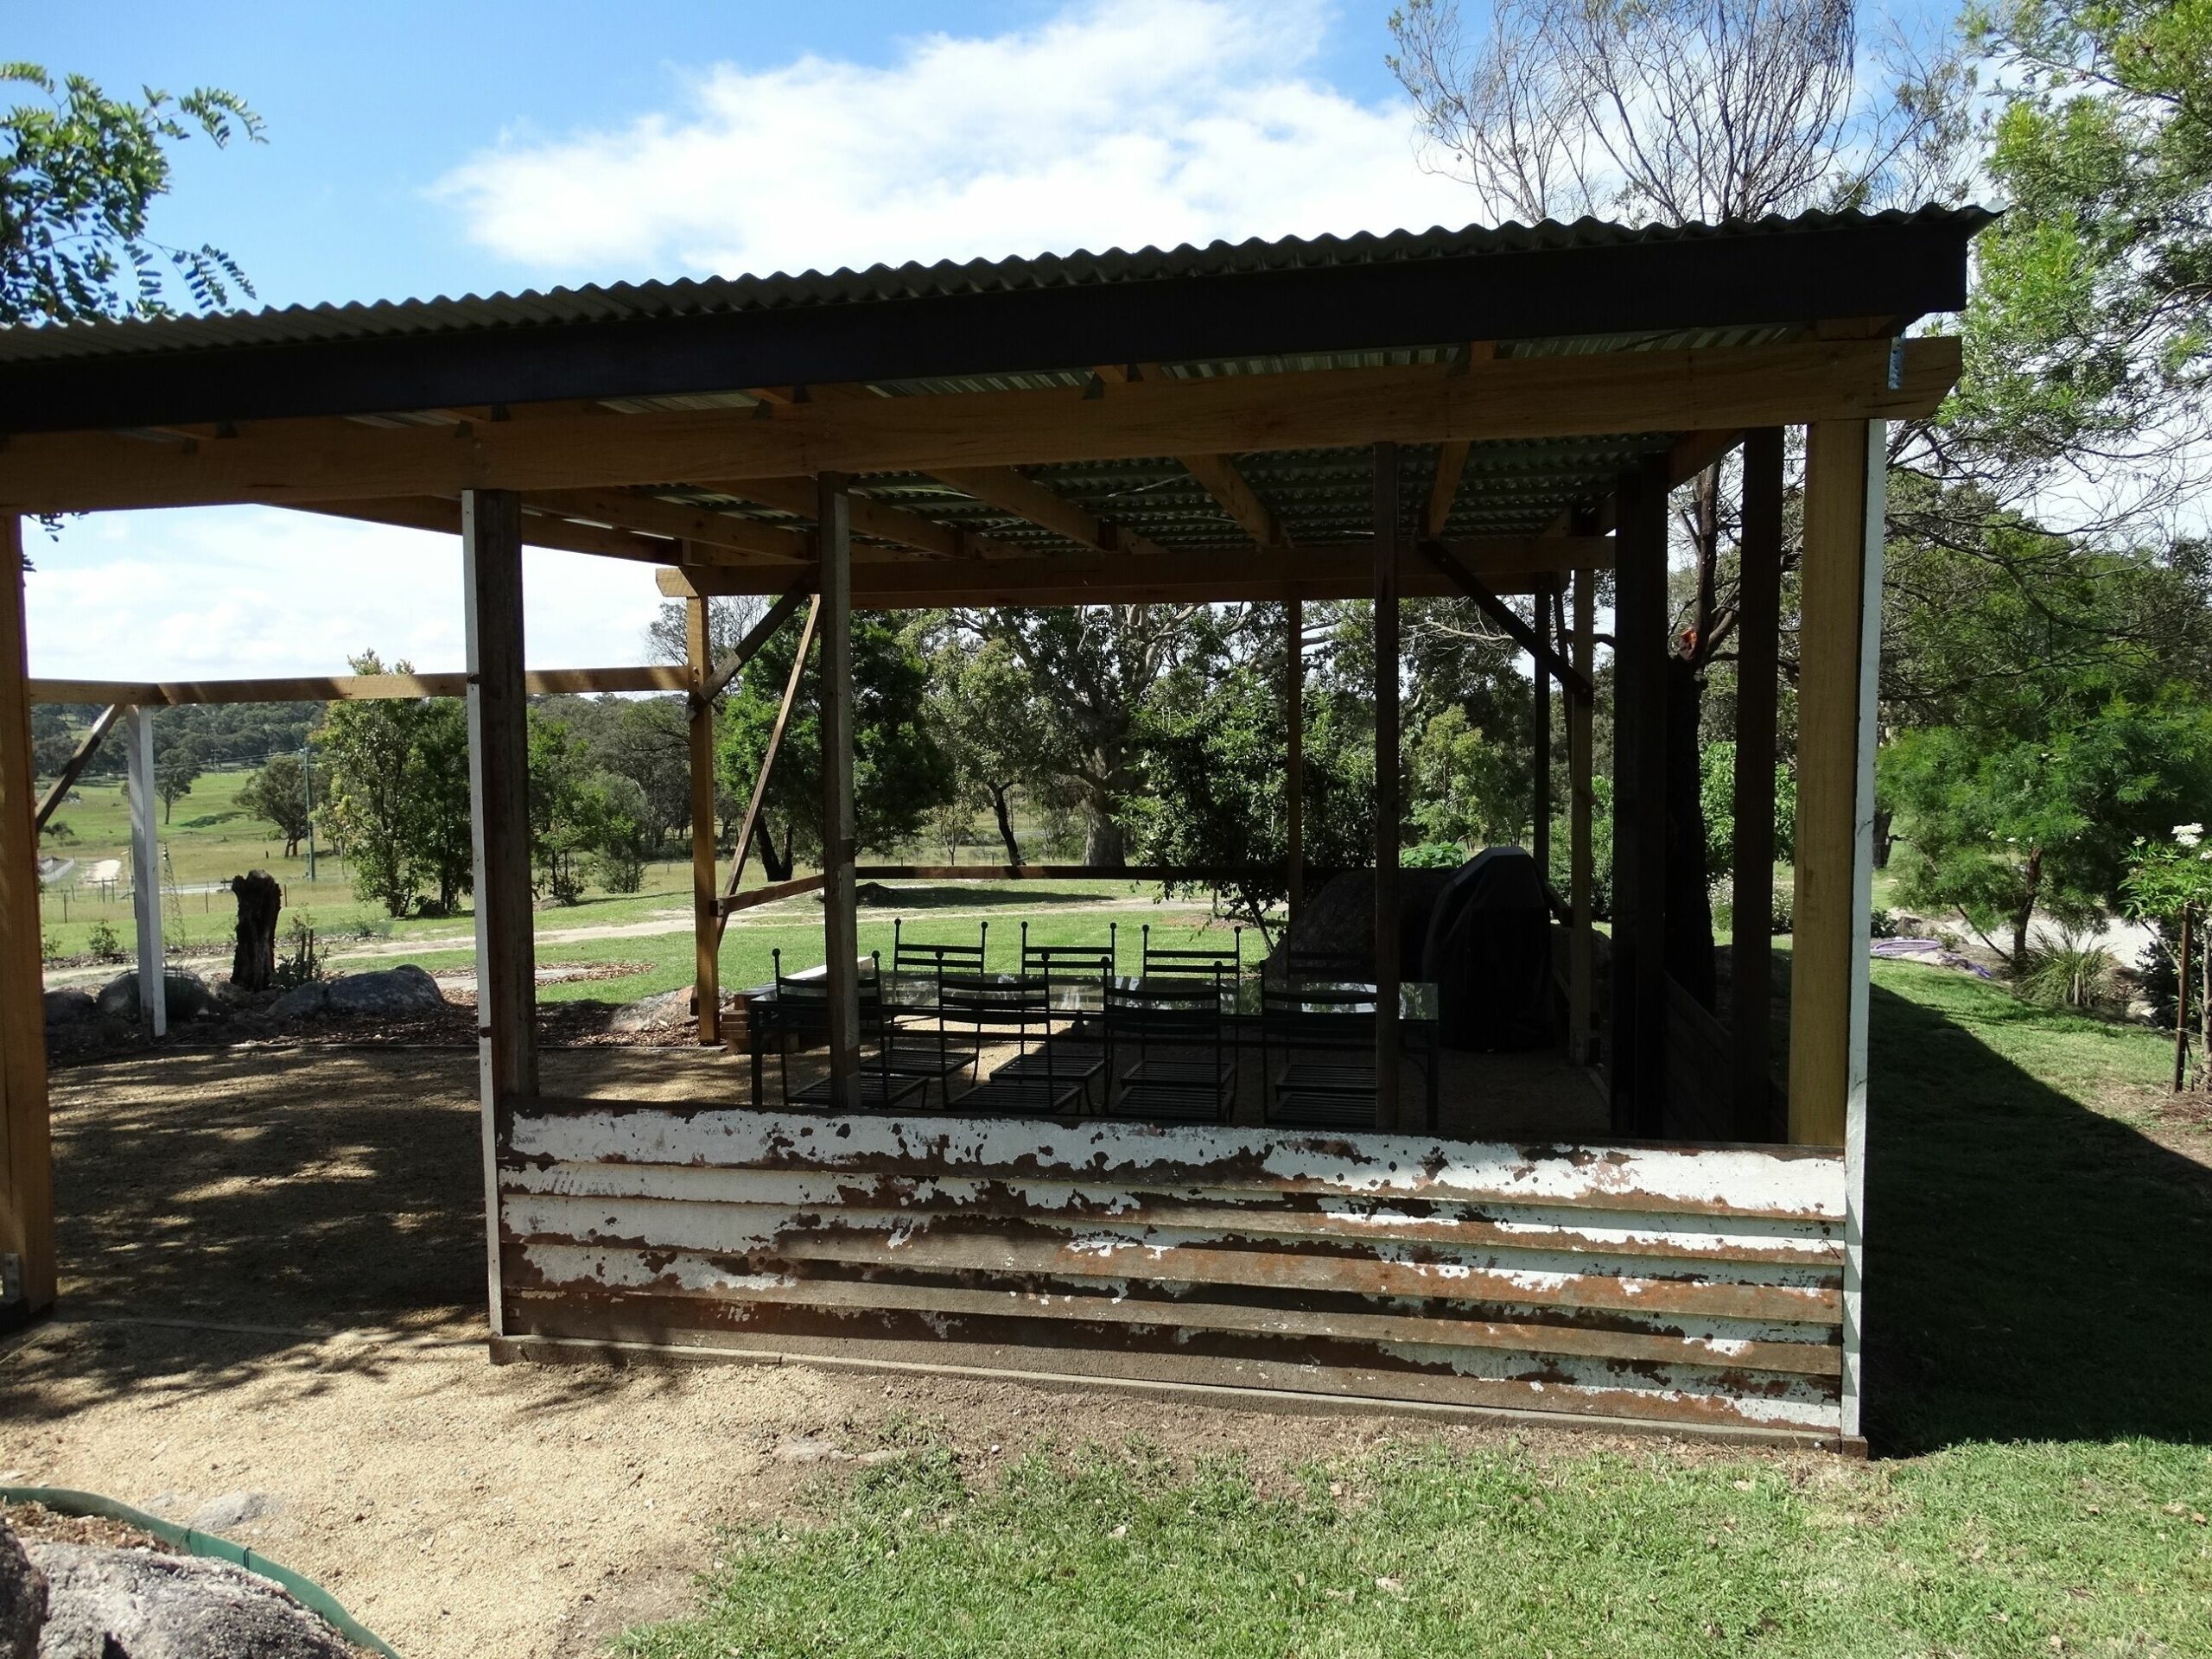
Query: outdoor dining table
{"points": [[916, 994]]}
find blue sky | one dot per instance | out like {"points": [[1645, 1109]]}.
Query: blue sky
{"points": [[419, 148]]}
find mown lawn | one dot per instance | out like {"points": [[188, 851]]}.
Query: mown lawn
{"points": [[2040, 1376]]}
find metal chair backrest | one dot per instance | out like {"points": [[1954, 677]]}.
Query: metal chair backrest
{"points": [[1182, 1013], [1052, 960], [1312, 1016], [1336, 966], [1200, 963], [917, 956]]}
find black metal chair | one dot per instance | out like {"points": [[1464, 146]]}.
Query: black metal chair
{"points": [[802, 1015], [909, 955], [1192, 964], [1330, 967], [1315, 1032], [1167, 1057], [1044, 958], [1078, 1048], [1000, 1010]]}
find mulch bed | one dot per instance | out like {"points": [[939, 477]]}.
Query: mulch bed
{"points": [[35, 1521]]}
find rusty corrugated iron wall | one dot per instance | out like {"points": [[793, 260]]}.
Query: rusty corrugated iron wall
{"points": [[1697, 1287]]}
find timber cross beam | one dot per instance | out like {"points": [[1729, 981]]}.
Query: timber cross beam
{"points": [[1547, 660]]}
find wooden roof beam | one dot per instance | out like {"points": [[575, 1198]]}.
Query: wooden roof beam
{"points": [[1715, 389], [1217, 474], [1507, 565], [1009, 491]]}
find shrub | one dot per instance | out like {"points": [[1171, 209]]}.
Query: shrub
{"points": [[1882, 925], [305, 959], [103, 943], [2073, 972], [49, 946], [1433, 855], [618, 869]]}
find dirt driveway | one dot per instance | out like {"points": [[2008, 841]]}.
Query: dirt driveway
{"points": [[272, 1293]]}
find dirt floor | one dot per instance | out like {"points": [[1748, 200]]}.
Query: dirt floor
{"points": [[272, 1302]]}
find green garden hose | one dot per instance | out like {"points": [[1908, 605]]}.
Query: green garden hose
{"points": [[305, 1590]]}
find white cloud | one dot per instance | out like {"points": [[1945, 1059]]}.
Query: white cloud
{"points": [[1119, 124], [249, 592]]}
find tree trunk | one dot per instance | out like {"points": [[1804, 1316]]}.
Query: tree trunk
{"points": [[1005, 816], [776, 865], [253, 964], [2027, 912], [1103, 844]]}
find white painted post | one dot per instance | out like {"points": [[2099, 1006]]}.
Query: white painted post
{"points": [[146, 876]]}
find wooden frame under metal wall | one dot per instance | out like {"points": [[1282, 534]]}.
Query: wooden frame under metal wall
{"points": [[499, 789]]}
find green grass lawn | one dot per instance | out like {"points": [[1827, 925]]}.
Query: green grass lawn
{"points": [[2039, 1308], [210, 839]]}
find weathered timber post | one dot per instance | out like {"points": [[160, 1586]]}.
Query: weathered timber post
{"points": [[1293, 772], [26, 1257], [1838, 652], [1388, 535], [706, 914], [146, 876], [499, 793], [1539, 735], [1581, 802], [253, 962], [1758, 622], [1639, 957], [840, 832]]}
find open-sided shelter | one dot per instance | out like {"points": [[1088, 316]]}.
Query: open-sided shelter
{"points": [[1485, 412]]}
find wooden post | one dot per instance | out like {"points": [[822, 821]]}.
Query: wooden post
{"points": [[1389, 534], [1839, 653], [840, 926], [1293, 773], [705, 914], [1758, 635], [28, 1269], [1639, 958], [1540, 738], [1581, 803], [1838, 639], [499, 793], [146, 876]]}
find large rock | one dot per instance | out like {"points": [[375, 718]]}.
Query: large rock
{"points": [[387, 993], [22, 1599], [104, 1601], [189, 996], [70, 1007], [302, 1002]]}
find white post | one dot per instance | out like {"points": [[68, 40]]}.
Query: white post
{"points": [[146, 876]]}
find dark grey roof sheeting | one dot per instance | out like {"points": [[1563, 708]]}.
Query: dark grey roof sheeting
{"points": [[714, 296]]}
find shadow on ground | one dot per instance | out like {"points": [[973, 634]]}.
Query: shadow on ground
{"points": [[2035, 1269]]}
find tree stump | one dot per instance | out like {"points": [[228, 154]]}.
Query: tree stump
{"points": [[253, 965]]}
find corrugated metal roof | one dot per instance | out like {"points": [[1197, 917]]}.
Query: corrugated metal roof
{"points": [[720, 296]]}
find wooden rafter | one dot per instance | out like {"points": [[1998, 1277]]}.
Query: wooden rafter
{"points": [[878, 520], [1506, 564], [1217, 475], [1719, 388], [75, 767], [1009, 491], [652, 516]]}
